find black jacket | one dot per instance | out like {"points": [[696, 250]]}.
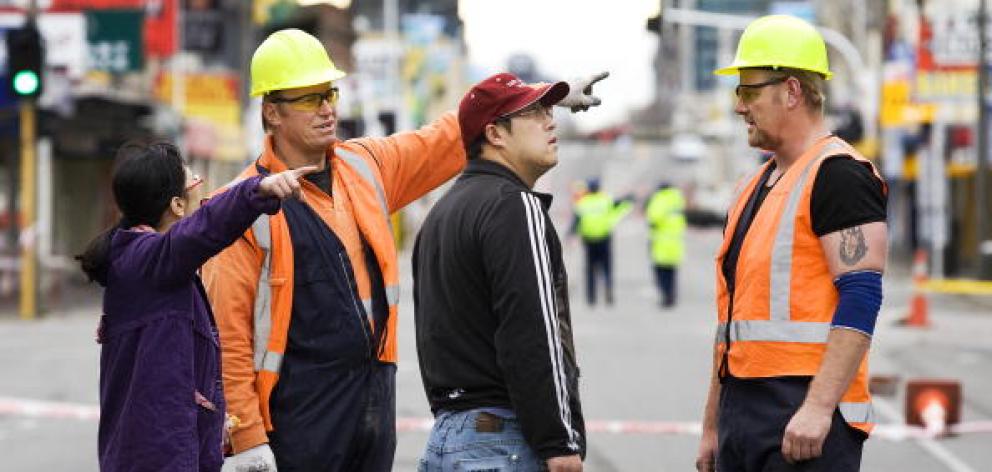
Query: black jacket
{"points": [[493, 325]]}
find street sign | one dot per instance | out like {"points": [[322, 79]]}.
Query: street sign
{"points": [[114, 40]]}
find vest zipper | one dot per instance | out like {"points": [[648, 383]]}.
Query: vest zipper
{"points": [[358, 307]]}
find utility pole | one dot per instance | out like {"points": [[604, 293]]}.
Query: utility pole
{"points": [[983, 249], [29, 256], [29, 253]]}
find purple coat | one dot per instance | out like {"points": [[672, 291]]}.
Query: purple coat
{"points": [[159, 341]]}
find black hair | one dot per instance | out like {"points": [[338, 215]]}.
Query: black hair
{"points": [[474, 150], [145, 179]]}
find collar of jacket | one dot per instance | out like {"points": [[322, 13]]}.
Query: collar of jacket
{"points": [[480, 166], [272, 163]]}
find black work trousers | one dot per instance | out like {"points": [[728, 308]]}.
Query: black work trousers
{"points": [[665, 280], [351, 427], [752, 420], [599, 260]]}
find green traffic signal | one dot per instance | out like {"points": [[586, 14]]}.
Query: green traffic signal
{"points": [[26, 82]]}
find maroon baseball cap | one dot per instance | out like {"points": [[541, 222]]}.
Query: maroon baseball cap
{"points": [[501, 95]]}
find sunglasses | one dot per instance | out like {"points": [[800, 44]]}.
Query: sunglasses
{"points": [[310, 102], [748, 92]]}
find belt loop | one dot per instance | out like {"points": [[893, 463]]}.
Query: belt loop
{"points": [[467, 420]]}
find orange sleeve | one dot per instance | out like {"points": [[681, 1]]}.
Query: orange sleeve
{"points": [[415, 162], [231, 279]]}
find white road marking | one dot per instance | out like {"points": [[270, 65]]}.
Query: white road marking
{"points": [[931, 446]]}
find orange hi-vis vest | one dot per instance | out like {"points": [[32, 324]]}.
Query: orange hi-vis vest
{"points": [[250, 284], [784, 297]]}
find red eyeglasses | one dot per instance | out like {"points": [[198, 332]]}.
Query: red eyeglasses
{"points": [[196, 180]]}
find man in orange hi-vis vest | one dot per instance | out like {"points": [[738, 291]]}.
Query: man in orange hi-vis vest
{"points": [[306, 301], [798, 274]]}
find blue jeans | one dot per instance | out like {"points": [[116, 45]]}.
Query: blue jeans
{"points": [[455, 445]]}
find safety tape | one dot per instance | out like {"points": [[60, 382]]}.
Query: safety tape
{"points": [[51, 410], [958, 286], [891, 432]]}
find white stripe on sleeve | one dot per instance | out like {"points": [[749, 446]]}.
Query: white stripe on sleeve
{"points": [[542, 266]]}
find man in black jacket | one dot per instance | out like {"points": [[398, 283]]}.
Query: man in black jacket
{"points": [[494, 333]]}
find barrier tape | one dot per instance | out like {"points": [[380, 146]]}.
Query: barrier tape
{"points": [[891, 432], [958, 286]]}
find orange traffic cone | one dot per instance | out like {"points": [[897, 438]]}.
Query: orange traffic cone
{"points": [[918, 306], [934, 404]]}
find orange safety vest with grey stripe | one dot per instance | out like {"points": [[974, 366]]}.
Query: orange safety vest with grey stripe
{"points": [[784, 298], [364, 193]]}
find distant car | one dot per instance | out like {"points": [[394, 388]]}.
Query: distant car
{"points": [[703, 218], [687, 147]]}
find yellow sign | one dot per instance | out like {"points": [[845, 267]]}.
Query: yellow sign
{"points": [[212, 112], [213, 97], [898, 108], [946, 84]]}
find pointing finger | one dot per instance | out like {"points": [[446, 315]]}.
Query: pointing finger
{"points": [[301, 171], [596, 78]]}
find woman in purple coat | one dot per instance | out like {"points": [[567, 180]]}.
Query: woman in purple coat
{"points": [[161, 401]]}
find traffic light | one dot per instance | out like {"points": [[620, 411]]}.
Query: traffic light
{"points": [[25, 61]]}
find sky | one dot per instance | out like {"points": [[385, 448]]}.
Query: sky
{"points": [[570, 38]]}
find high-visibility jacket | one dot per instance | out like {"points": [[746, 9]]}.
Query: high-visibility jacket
{"points": [[784, 298], [666, 214], [250, 284], [598, 214]]}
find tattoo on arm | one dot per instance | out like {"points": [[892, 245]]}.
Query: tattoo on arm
{"points": [[853, 246]]}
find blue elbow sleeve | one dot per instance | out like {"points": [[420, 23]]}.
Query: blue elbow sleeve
{"points": [[860, 299]]}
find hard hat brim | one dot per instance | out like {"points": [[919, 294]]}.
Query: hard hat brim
{"points": [[729, 70], [322, 77], [735, 69]]}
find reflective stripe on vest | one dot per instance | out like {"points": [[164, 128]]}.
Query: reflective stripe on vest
{"points": [[264, 358], [774, 331], [781, 271], [392, 297], [359, 164], [363, 169], [854, 412]]}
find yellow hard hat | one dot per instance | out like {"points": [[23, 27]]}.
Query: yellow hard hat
{"points": [[780, 41], [290, 58]]}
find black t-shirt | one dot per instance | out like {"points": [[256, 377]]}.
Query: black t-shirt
{"points": [[845, 194], [321, 179]]}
